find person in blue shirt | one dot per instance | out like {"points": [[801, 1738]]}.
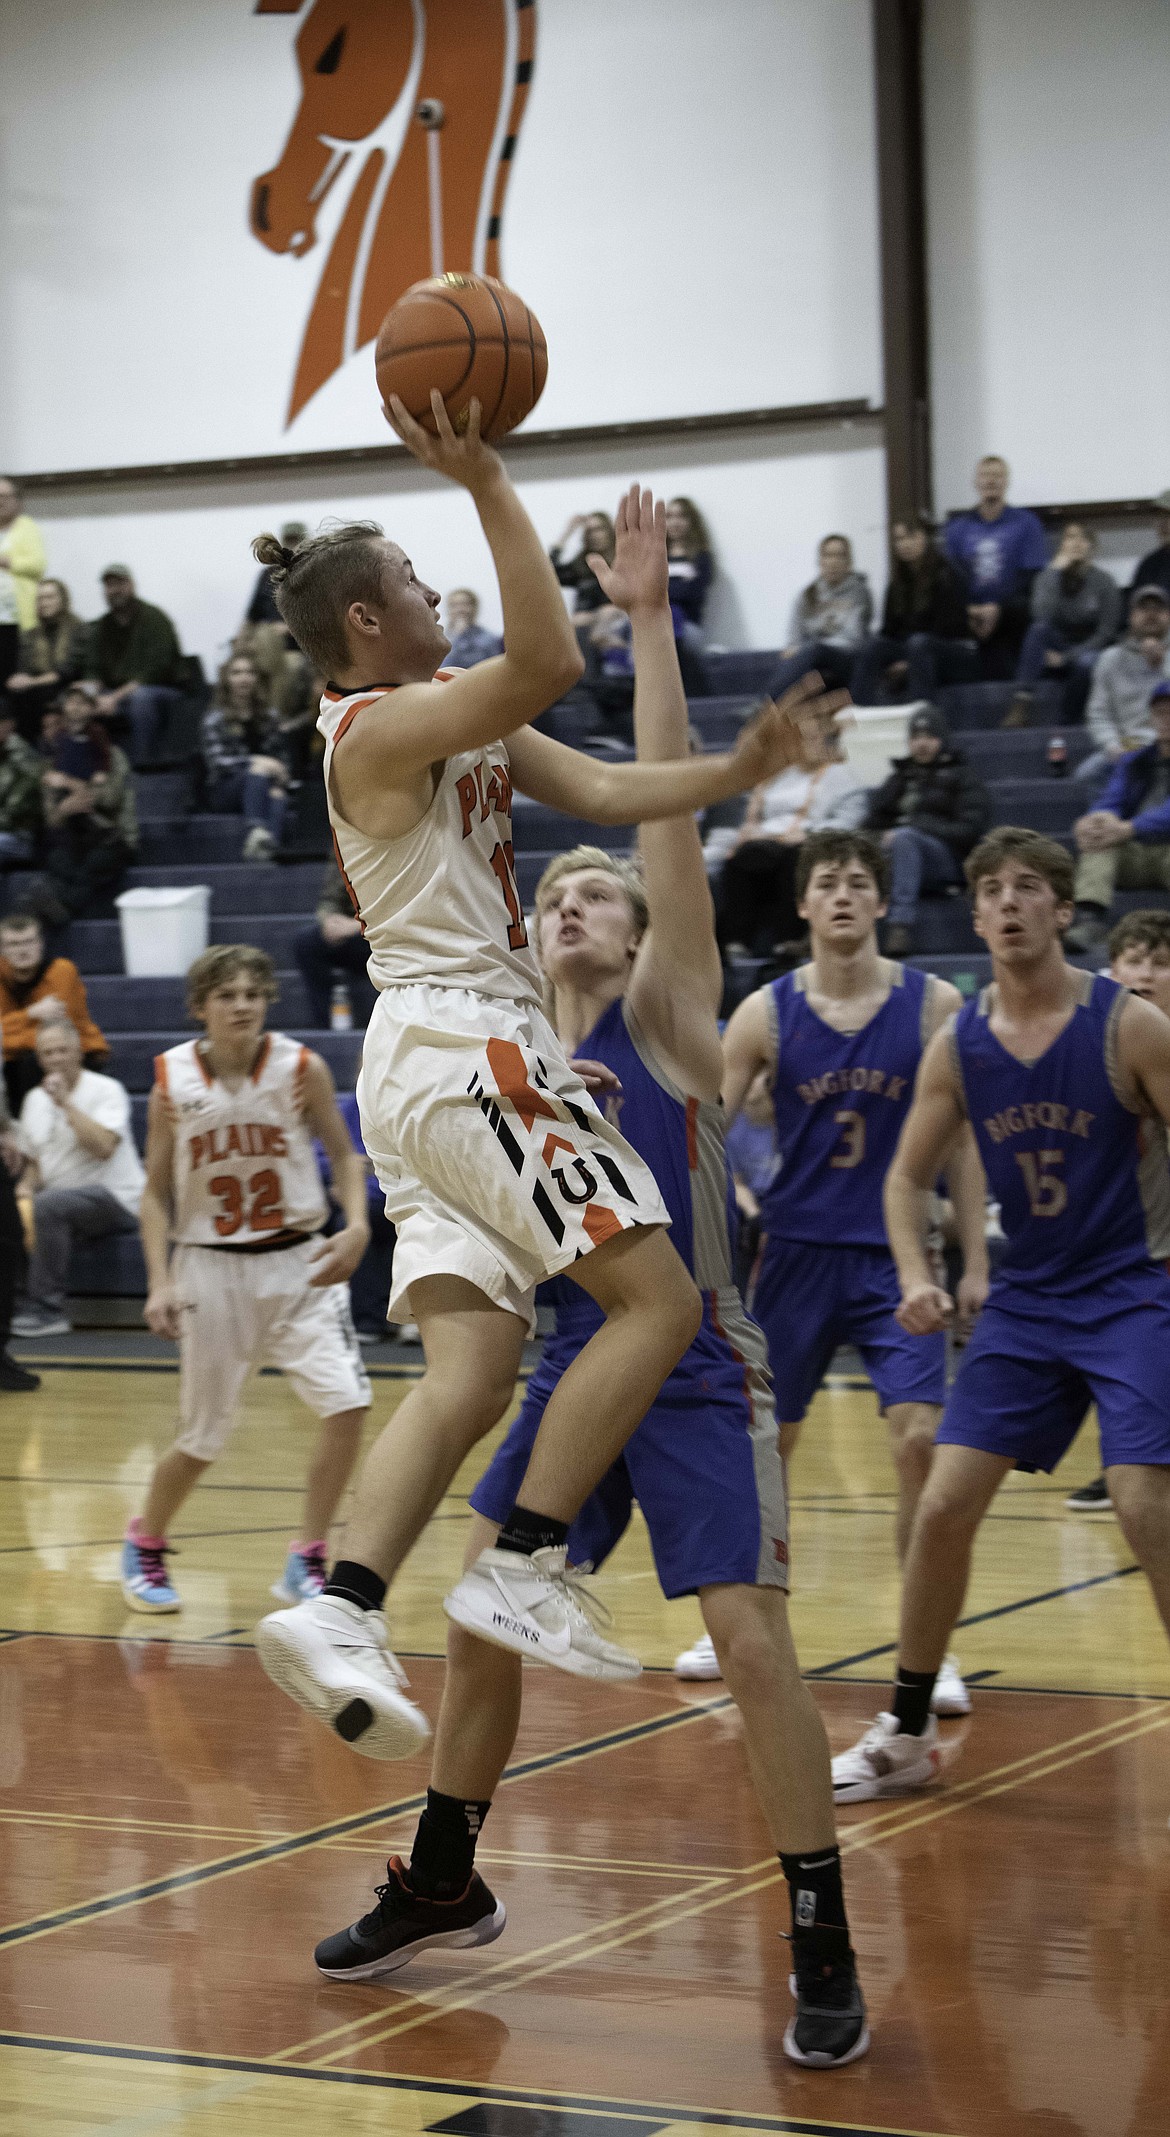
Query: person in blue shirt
{"points": [[998, 548], [1064, 1077], [1124, 841], [470, 643], [635, 981]]}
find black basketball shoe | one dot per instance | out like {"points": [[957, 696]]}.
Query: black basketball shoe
{"points": [[830, 2023], [402, 1924]]}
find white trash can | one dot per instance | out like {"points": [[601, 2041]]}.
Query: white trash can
{"points": [[163, 930]]}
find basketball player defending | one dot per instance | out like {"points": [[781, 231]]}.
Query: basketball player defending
{"points": [[1055, 1069], [232, 1180], [497, 1167], [636, 981], [841, 1040]]}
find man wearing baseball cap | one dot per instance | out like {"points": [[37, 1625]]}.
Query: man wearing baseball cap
{"points": [[928, 814], [1117, 714], [135, 656], [1124, 842]]}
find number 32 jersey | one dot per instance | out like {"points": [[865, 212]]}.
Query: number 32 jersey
{"points": [[245, 1170], [438, 905], [840, 1100]]}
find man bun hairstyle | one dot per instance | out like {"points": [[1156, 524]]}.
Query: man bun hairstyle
{"points": [[1148, 929], [835, 849], [225, 962], [1011, 842], [314, 584]]}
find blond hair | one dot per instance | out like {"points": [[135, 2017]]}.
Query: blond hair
{"points": [[314, 584], [611, 864], [219, 966]]}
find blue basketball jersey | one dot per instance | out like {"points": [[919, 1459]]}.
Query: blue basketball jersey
{"points": [[840, 1101], [681, 1140], [1081, 1184]]}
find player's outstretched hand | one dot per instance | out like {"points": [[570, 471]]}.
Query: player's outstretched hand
{"points": [[598, 1080], [925, 1310], [638, 578], [464, 459], [796, 729], [336, 1258], [161, 1312]]}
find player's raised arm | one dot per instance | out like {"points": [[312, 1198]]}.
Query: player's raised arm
{"points": [[154, 1222], [747, 1048], [933, 1127], [1143, 1053]]}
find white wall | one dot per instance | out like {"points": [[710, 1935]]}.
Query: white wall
{"points": [[768, 498], [691, 213], [1049, 282]]}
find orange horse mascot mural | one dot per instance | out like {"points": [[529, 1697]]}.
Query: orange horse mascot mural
{"points": [[419, 104]]}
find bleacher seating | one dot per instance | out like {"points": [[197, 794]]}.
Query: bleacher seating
{"points": [[268, 904]]}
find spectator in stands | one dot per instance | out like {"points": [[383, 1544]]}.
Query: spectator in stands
{"points": [[998, 548], [929, 813], [755, 896], [596, 533], [470, 643], [241, 744], [36, 990], [84, 1171], [21, 770], [333, 953], [91, 818], [1118, 714], [135, 655], [1154, 568], [691, 561], [924, 639], [52, 654], [1076, 609], [830, 620], [1124, 843], [22, 562], [14, 1379]]}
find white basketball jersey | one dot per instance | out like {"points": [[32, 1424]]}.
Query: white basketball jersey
{"points": [[245, 1171], [440, 904]]}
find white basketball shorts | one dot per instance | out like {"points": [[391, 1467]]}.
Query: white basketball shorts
{"points": [[242, 1311], [495, 1163]]}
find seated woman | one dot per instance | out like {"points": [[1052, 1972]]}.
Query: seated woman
{"points": [[51, 655], [830, 621], [692, 568], [91, 821], [924, 637], [242, 752], [755, 897], [596, 538]]}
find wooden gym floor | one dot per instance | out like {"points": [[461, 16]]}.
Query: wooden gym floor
{"points": [[175, 1836]]}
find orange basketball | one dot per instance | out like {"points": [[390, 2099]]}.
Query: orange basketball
{"points": [[470, 336]]}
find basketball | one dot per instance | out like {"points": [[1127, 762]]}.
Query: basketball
{"points": [[473, 338]]}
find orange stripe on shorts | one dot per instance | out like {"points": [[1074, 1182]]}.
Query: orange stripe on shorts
{"points": [[600, 1224], [506, 1063]]}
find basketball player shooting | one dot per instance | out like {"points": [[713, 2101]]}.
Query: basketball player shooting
{"points": [[498, 1168]]}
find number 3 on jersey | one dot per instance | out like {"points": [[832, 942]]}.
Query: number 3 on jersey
{"points": [[851, 1149], [266, 1213], [503, 867]]}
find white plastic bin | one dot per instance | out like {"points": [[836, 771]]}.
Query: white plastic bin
{"points": [[163, 930]]}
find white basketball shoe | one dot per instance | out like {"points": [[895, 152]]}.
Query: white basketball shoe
{"points": [[700, 1663], [332, 1657], [542, 1607], [886, 1763]]}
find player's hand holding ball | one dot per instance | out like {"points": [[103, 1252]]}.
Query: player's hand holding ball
{"points": [[462, 458], [926, 1310]]}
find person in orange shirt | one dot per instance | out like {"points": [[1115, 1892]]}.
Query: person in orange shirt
{"points": [[34, 990]]}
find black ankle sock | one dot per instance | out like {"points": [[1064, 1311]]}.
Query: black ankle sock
{"points": [[912, 1694], [815, 1889], [356, 1584], [526, 1532], [443, 1856]]}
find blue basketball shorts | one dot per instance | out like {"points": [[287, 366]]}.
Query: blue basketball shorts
{"points": [[704, 1464], [1036, 1362], [808, 1299]]}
